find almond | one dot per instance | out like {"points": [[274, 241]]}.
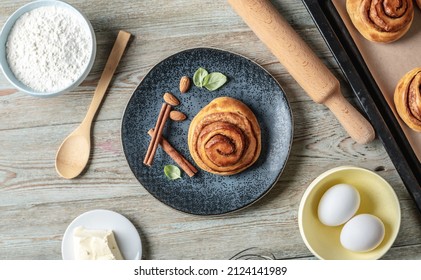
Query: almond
{"points": [[184, 84], [171, 99], [177, 116]]}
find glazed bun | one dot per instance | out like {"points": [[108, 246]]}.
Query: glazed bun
{"points": [[224, 137], [381, 20], [407, 99]]}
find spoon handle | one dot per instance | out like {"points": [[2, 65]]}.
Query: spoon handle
{"points": [[107, 74]]}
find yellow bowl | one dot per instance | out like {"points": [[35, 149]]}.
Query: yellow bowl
{"points": [[377, 198]]}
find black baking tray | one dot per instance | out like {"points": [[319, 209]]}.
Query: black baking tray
{"points": [[371, 99]]}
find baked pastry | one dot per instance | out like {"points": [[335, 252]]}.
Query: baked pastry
{"points": [[224, 137], [381, 20], [419, 3], [407, 99]]}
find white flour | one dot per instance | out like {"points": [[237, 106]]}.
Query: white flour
{"points": [[48, 48]]}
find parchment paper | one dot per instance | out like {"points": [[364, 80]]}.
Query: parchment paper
{"points": [[388, 63]]}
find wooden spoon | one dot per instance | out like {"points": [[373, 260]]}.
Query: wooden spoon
{"points": [[73, 154]]}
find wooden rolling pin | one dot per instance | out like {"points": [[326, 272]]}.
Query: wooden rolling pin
{"points": [[301, 62]]}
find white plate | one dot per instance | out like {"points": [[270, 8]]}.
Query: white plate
{"points": [[125, 233]]}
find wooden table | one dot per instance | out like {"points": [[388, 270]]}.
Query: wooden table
{"points": [[36, 205]]}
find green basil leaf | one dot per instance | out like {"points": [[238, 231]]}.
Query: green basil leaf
{"points": [[214, 80], [199, 76], [172, 172]]}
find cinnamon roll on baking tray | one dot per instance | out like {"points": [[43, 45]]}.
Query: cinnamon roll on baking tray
{"points": [[381, 20], [224, 138], [407, 99]]}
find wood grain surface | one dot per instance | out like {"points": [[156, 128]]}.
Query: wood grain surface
{"points": [[36, 205]]}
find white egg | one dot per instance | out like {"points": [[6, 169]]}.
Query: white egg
{"points": [[362, 233], [338, 204]]}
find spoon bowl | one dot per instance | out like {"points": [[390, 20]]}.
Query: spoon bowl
{"points": [[73, 155]]}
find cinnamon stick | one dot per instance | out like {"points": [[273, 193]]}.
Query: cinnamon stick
{"points": [[159, 127], [175, 155]]}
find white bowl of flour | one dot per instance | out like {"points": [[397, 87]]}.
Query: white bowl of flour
{"points": [[47, 48]]}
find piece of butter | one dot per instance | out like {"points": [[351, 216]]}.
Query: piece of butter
{"points": [[90, 244]]}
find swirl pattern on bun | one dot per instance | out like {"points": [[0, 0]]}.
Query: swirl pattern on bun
{"points": [[381, 20], [407, 99], [224, 137]]}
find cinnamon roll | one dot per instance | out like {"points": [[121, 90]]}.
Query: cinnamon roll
{"points": [[407, 99], [419, 3], [381, 20], [224, 137]]}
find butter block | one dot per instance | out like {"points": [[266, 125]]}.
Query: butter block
{"points": [[92, 244]]}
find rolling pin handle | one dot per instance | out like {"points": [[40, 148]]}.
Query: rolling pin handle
{"points": [[359, 129]]}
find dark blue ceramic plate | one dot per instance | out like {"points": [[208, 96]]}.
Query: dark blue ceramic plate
{"points": [[206, 193]]}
